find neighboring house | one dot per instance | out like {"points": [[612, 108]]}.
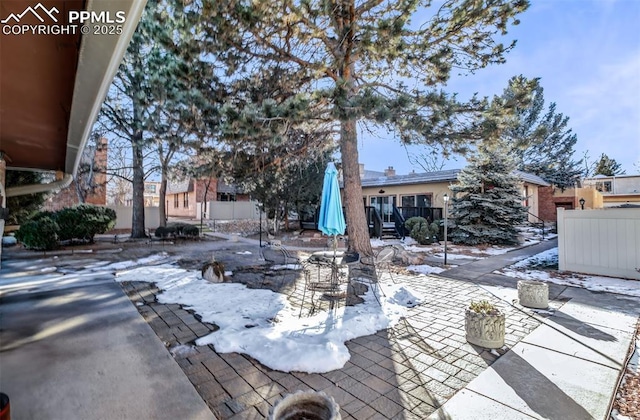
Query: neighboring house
{"points": [[90, 183], [426, 190], [152, 193], [596, 193], [616, 190], [187, 198]]}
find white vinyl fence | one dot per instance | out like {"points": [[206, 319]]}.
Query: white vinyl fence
{"points": [[602, 242], [230, 210], [124, 214]]}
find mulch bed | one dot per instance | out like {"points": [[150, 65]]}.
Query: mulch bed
{"points": [[627, 401]]}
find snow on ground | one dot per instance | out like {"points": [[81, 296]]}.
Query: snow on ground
{"points": [[123, 265], [278, 267], [268, 328], [522, 270], [426, 269]]}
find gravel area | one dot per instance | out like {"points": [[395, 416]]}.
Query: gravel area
{"points": [[627, 403]]}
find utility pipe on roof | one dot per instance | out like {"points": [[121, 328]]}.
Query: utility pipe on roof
{"points": [[38, 188]]}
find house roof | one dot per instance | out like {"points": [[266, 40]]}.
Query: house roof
{"points": [[450, 175], [225, 188], [177, 187], [532, 178], [53, 83]]}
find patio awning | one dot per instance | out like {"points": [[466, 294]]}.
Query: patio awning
{"points": [[53, 81]]}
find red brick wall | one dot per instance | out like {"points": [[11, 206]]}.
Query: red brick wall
{"points": [[201, 187], [68, 197], [548, 204]]}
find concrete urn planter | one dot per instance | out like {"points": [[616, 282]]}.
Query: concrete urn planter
{"points": [[485, 330], [308, 405], [533, 294]]}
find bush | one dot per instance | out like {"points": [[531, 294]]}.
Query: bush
{"points": [[176, 229], [39, 234], [191, 231], [80, 222], [165, 232], [421, 231], [71, 226], [84, 221], [95, 220]]}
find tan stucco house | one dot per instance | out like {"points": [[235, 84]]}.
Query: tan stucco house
{"points": [[383, 190]]}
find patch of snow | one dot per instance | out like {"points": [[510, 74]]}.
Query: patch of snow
{"points": [[263, 324], [425, 269], [243, 252], [141, 261], [9, 241], [615, 415], [286, 267], [494, 250], [183, 350], [228, 273], [634, 362], [594, 283], [548, 257], [377, 243]]}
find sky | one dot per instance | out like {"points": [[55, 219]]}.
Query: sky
{"points": [[587, 55]]}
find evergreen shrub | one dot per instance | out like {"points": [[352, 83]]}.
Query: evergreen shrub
{"points": [[40, 234], [421, 231]]}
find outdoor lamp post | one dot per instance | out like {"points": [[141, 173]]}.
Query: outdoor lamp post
{"points": [[446, 204], [581, 201]]}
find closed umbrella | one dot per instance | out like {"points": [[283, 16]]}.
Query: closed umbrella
{"points": [[331, 221]]}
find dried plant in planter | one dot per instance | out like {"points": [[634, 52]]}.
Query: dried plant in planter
{"points": [[484, 307], [484, 325]]}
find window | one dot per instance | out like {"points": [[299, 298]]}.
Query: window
{"points": [[408, 200], [226, 197], [418, 200], [423, 200], [186, 200], [150, 188], [175, 201], [603, 186]]}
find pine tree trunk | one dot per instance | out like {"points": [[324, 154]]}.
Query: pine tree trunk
{"points": [[137, 218], [163, 197], [357, 228]]}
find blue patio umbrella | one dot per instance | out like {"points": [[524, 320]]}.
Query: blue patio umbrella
{"points": [[331, 221]]}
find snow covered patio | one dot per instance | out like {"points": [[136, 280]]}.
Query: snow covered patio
{"points": [[243, 348], [243, 345]]}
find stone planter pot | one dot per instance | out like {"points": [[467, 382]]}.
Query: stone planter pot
{"points": [[485, 330], [533, 294], [306, 405]]}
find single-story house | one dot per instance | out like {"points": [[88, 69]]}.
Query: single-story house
{"points": [[426, 190]]}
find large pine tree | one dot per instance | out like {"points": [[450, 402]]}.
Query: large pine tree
{"points": [[487, 204], [381, 61], [161, 98], [542, 142], [608, 167]]}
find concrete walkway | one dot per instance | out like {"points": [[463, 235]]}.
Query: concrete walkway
{"points": [[478, 270], [82, 351], [567, 368]]}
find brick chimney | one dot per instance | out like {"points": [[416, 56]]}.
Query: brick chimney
{"points": [[390, 171]]}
